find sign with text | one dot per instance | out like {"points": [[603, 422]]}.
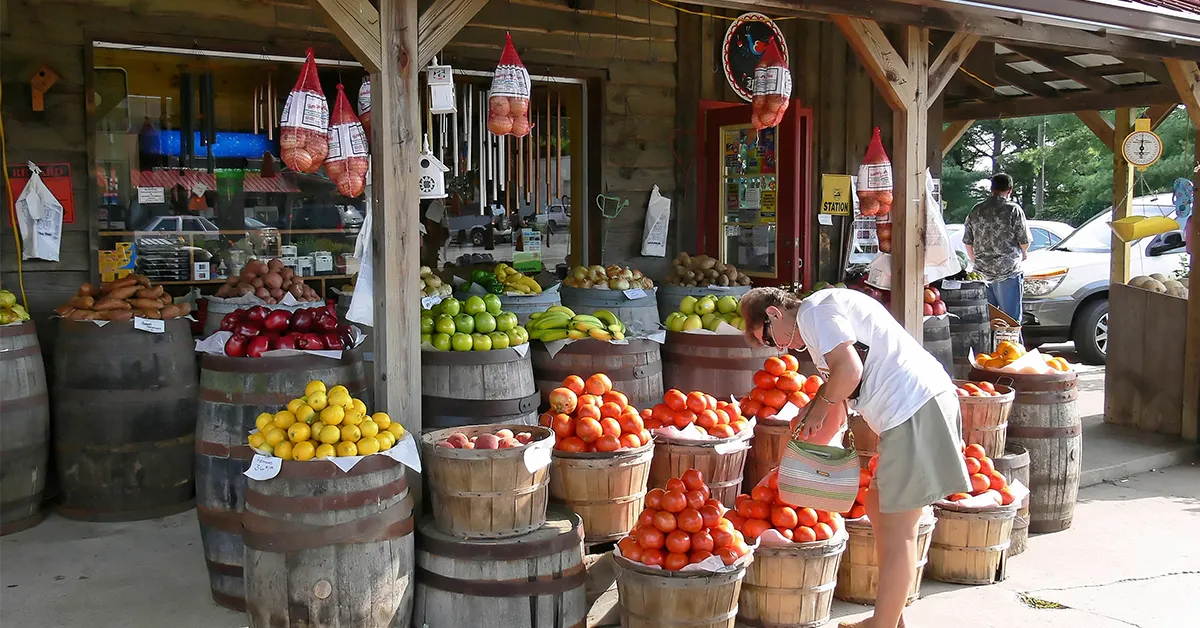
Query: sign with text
{"points": [[836, 194], [57, 178]]}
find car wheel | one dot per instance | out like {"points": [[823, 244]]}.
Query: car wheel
{"points": [[477, 237], [1091, 332]]}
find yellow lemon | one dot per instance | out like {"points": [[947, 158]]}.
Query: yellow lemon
{"points": [[257, 439], [359, 406], [368, 428], [351, 433], [314, 442], [333, 415], [367, 445], [305, 413], [352, 418], [386, 440], [314, 386], [339, 389], [339, 398], [299, 432], [303, 451], [396, 429], [329, 434], [346, 449], [325, 451], [318, 401], [284, 419], [293, 404], [275, 436], [263, 420], [382, 420], [284, 450]]}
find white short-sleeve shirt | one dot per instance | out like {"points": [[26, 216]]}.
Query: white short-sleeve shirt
{"points": [[899, 375]]}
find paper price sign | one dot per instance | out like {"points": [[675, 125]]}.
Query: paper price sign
{"points": [[150, 325], [430, 301], [635, 293]]}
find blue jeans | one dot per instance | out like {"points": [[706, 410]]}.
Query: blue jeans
{"points": [[1006, 295]]}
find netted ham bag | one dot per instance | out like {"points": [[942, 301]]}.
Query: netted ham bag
{"points": [[875, 180], [304, 126], [347, 161], [364, 106], [508, 104], [772, 89]]}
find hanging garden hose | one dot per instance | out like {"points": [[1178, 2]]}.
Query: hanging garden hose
{"points": [[12, 208]]}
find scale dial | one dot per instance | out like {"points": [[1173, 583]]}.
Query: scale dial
{"points": [[1142, 148]]}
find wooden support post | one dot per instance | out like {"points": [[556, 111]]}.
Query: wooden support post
{"points": [[909, 138], [953, 133], [1122, 194], [1099, 126]]}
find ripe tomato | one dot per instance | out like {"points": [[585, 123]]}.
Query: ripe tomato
{"points": [[696, 401], [563, 426], [824, 516], [763, 494], [721, 538], [674, 501], [692, 479], [610, 410], [774, 366], [698, 556], [706, 419], [735, 520], [722, 416], [764, 380], [634, 552], [626, 543], [738, 426], [632, 425], [658, 411], [790, 361], [725, 523], [589, 400], [722, 431], [750, 407], [546, 419], [597, 384], [760, 510], [986, 386], [757, 394], [706, 492], [684, 418], [632, 441], [587, 412], [650, 537], [610, 426], [607, 443], [857, 511], [998, 481], [836, 522], [789, 383], [812, 385], [986, 466], [1006, 497], [676, 484], [784, 517], [976, 451], [675, 561], [702, 540], [574, 383], [664, 521], [755, 527], [980, 483], [645, 436], [786, 533], [766, 411], [775, 398], [804, 534], [799, 399], [710, 515], [654, 498], [743, 507], [646, 413], [679, 542], [653, 557], [973, 466], [690, 520], [675, 399], [646, 518], [618, 398], [695, 499], [806, 517], [823, 531], [728, 555], [589, 430], [573, 444]]}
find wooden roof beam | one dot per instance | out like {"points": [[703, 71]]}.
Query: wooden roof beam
{"points": [[946, 65], [1066, 103], [356, 24], [1102, 128], [953, 133], [884, 64], [440, 23], [1061, 65], [1025, 82], [1186, 77], [1159, 114]]}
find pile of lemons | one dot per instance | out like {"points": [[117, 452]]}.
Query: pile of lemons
{"points": [[324, 423]]}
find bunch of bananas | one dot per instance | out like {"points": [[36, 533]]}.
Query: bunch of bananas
{"points": [[559, 322], [10, 312], [515, 281]]}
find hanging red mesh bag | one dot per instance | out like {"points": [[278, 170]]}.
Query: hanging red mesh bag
{"points": [[508, 104], [347, 161], [875, 180], [364, 106], [304, 126], [772, 88]]}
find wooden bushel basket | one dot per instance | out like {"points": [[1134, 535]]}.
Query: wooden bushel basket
{"points": [[606, 489], [791, 585], [866, 441], [651, 598], [771, 437], [858, 573], [722, 472], [985, 419], [485, 493], [971, 547]]}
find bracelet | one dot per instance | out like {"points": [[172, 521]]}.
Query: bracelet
{"points": [[821, 396]]}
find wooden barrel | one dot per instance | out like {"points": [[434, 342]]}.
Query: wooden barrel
{"points": [[486, 493], [650, 598], [866, 441], [327, 548], [635, 368], [718, 364], [476, 387], [970, 327], [937, 341], [670, 296], [217, 308], [637, 314], [233, 392], [124, 420], [606, 489], [858, 573], [1014, 465], [985, 419], [1045, 420], [525, 304], [791, 585], [971, 547], [25, 432], [530, 581], [771, 437], [721, 461]]}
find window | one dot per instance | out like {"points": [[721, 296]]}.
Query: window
{"points": [[166, 223], [1041, 239]]}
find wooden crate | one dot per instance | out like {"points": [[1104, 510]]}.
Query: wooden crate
{"points": [[1143, 381]]}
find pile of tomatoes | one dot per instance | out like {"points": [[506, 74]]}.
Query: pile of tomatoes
{"points": [[720, 419], [589, 416], [984, 478], [776, 384], [977, 389], [683, 525], [762, 510]]}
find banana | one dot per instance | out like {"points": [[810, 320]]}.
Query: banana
{"points": [[575, 334], [586, 318], [535, 315], [616, 329], [617, 335], [608, 317], [563, 309], [585, 326], [600, 334], [558, 321], [554, 334]]}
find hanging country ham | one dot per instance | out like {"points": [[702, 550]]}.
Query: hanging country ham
{"points": [[304, 127], [347, 161], [875, 180], [772, 88], [508, 105], [364, 106]]}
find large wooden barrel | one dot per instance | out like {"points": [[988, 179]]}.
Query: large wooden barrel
{"points": [[670, 296], [523, 305], [1045, 420], [771, 437], [233, 392], [634, 368], [637, 314], [937, 341], [721, 461], [791, 585], [25, 430], [971, 547], [651, 598], [217, 308], [985, 419], [970, 327], [718, 364], [475, 387], [124, 420], [1014, 465], [529, 581], [487, 493], [327, 548], [858, 573], [866, 441], [607, 489]]}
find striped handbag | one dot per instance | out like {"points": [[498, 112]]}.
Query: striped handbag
{"points": [[818, 476]]}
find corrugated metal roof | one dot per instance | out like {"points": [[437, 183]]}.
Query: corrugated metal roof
{"points": [[1185, 6]]}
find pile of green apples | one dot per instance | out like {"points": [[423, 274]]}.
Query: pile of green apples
{"points": [[706, 312], [475, 324]]}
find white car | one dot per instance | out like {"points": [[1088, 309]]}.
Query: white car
{"points": [[1066, 285], [1045, 234]]}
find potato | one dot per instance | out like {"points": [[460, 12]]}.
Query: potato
{"points": [[150, 293], [261, 293], [273, 280], [172, 311], [287, 273], [275, 265], [296, 290], [109, 303], [723, 280], [82, 303], [276, 293], [257, 282], [247, 273], [244, 289], [233, 280], [146, 304], [88, 290], [64, 311], [155, 314]]}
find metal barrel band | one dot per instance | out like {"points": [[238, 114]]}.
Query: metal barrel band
{"points": [[126, 448], [267, 534], [11, 527], [572, 578], [600, 347], [735, 341], [142, 396], [622, 374], [225, 569], [319, 503], [23, 352], [240, 451], [1048, 397], [224, 520], [454, 548], [1024, 431], [19, 503], [154, 512], [446, 406], [470, 358], [231, 602], [754, 623], [326, 470]]}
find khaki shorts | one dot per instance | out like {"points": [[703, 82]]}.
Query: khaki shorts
{"points": [[920, 460]]}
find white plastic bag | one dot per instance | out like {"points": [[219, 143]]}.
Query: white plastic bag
{"points": [[658, 217], [940, 260], [40, 217], [362, 304]]}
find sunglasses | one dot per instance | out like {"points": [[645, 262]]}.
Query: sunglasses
{"points": [[768, 338]]}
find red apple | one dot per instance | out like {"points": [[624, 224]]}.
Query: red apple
{"points": [[524, 438], [487, 441], [445, 443], [930, 296], [939, 308], [927, 309], [937, 294]]}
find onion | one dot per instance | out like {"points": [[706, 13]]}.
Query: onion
{"points": [[884, 196], [499, 125], [518, 106], [520, 126], [498, 105]]}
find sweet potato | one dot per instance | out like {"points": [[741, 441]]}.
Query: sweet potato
{"points": [[146, 304], [108, 286], [109, 303], [88, 290], [155, 314], [64, 311], [78, 315], [172, 311], [124, 292], [82, 303], [166, 299], [150, 293], [117, 315], [187, 308], [142, 280]]}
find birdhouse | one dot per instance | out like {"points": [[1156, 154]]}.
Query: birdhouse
{"points": [[431, 180], [441, 88]]}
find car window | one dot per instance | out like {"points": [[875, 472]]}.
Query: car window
{"points": [[1054, 238], [1041, 239], [192, 224], [164, 224], [1095, 236]]}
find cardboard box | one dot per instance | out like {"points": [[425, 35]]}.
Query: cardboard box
{"points": [[304, 266], [201, 271], [322, 262], [288, 250]]}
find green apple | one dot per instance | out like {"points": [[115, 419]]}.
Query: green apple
{"points": [[517, 336], [441, 342], [491, 304], [474, 305], [426, 325], [675, 321], [444, 325], [482, 342], [499, 340], [688, 305], [727, 304], [506, 321], [706, 305], [485, 323], [707, 319], [461, 342], [426, 338], [692, 322], [464, 323], [450, 307], [713, 323], [738, 322]]}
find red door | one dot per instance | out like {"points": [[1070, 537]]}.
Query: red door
{"points": [[757, 194]]}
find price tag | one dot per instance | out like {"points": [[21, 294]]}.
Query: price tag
{"points": [[733, 231], [949, 284], [538, 456], [825, 219], [264, 467], [635, 293], [149, 324], [428, 302]]}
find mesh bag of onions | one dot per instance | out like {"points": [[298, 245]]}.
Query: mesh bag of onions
{"points": [[304, 125], [508, 103], [347, 161], [772, 88], [364, 106], [875, 180]]}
